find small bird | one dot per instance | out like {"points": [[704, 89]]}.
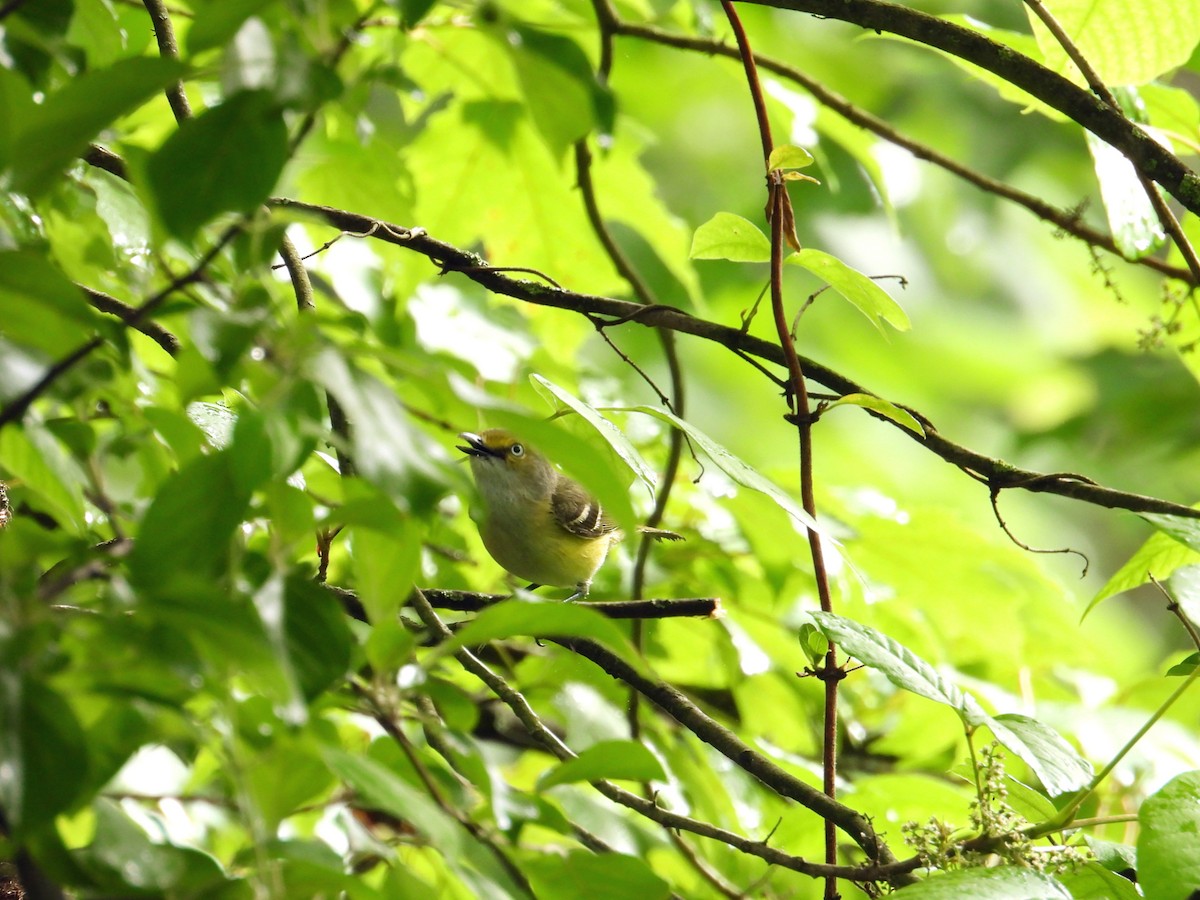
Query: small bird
{"points": [[536, 522]]}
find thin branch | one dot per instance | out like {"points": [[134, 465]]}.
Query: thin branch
{"points": [[125, 313], [994, 472], [1056, 91], [469, 601], [164, 33]]}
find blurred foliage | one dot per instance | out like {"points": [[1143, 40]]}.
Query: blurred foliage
{"points": [[185, 711]]}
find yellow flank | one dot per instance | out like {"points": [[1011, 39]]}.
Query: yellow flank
{"points": [[556, 557]]}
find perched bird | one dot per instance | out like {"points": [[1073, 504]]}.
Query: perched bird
{"points": [[536, 522]]}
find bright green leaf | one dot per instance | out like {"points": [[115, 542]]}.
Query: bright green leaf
{"points": [[1124, 41], [218, 21], [1055, 762], [40, 307], [557, 81], [1168, 852], [867, 297], [380, 788], [883, 407], [627, 760], [740, 472], [537, 618], [1159, 556], [1094, 882], [34, 456], [1001, 883], [902, 667], [1132, 219], [726, 236], [1183, 529], [386, 565], [1186, 667], [789, 157], [604, 876], [610, 432]]}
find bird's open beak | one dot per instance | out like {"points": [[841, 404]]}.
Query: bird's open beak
{"points": [[475, 446]]}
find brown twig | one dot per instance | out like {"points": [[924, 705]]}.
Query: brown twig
{"points": [[126, 313], [164, 33], [783, 231]]}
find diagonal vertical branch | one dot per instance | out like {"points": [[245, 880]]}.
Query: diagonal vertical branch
{"points": [[780, 218]]}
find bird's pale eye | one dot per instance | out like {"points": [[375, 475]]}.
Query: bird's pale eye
{"points": [[516, 450]]}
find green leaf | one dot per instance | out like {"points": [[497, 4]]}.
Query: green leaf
{"points": [[315, 636], [218, 21], [1160, 556], [789, 157], [726, 236], [1183, 529], [1113, 856], [814, 644], [558, 83], [380, 788], [386, 565], [1094, 882], [1055, 762], [1001, 883], [883, 407], [628, 760], [1184, 586], [413, 11], [1132, 219], [123, 855], [741, 472], [867, 297], [1165, 35], [188, 528], [207, 167], [34, 456], [58, 130], [1186, 667], [40, 307], [902, 667], [610, 432], [1168, 852], [537, 618], [43, 751], [389, 450], [606, 876]]}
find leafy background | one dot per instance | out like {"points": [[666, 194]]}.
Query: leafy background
{"points": [[186, 711]]}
